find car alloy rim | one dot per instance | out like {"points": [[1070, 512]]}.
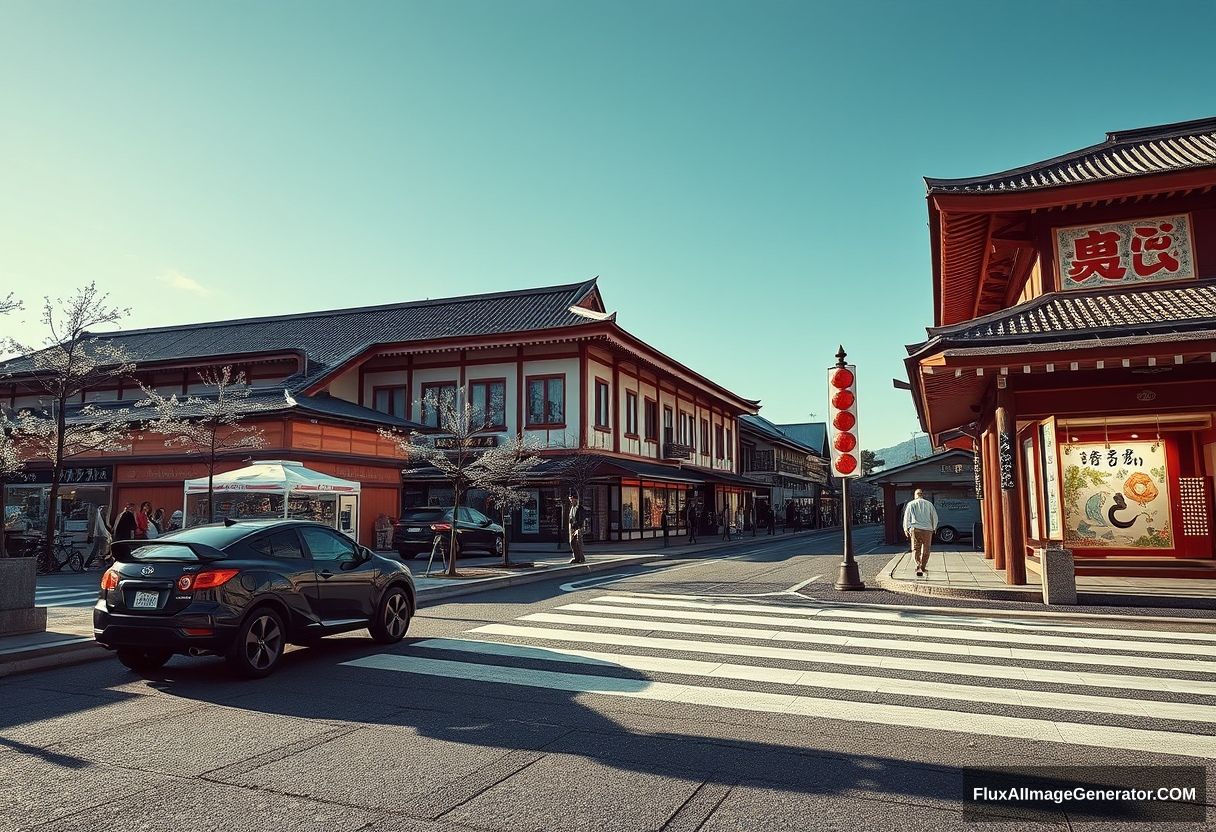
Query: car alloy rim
{"points": [[395, 615], [263, 643]]}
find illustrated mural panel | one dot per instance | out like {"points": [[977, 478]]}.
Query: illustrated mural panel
{"points": [[1116, 497]]}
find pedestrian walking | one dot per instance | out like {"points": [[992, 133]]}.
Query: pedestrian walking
{"points": [[577, 515], [771, 515], [175, 520], [100, 536], [384, 532], [157, 522], [142, 518], [124, 526], [691, 519], [724, 519], [920, 522]]}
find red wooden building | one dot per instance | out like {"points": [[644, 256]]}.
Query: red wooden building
{"points": [[1074, 338]]}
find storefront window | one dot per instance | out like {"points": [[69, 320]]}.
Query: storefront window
{"points": [[317, 509], [24, 508], [630, 507]]}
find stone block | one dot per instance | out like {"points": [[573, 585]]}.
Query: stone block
{"points": [[18, 577], [29, 620], [1059, 576]]}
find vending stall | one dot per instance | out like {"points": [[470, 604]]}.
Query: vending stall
{"points": [[275, 489]]}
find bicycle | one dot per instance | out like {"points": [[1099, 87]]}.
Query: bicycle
{"points": [[63, 553]]}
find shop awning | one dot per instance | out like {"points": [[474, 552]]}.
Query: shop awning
{"points": [[275, 476]]}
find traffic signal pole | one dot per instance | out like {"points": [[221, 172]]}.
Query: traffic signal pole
{"points": [[848, 577]]}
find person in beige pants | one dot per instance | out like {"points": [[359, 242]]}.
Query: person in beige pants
{"points": [[920, 523]]}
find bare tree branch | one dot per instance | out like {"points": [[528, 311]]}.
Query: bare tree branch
{"points": [[208, 425]]}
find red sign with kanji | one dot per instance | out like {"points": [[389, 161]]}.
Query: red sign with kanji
{"points": [[1120, 253]]}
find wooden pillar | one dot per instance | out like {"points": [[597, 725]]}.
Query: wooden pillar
{"points": [[1011, 499], [986, 502], [993, 501], [891, 523]]}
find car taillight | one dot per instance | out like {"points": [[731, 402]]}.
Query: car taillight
{"points": [[441, 527], [212, 578], [109, 580], [185, 582]]}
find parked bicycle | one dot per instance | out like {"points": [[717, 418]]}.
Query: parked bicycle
{"points": [[63, 553]]}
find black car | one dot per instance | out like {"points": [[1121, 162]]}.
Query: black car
{"points": [[245, 589], [415, 532]]}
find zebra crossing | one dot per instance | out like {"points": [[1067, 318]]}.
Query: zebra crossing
{"points": [[1144, 689], [67, 596]]}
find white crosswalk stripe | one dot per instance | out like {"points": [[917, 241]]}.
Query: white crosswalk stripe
{"points": [[65, 596], [1048, 680]]}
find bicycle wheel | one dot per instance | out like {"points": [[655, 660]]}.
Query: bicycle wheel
{"points": [[76, 561]]}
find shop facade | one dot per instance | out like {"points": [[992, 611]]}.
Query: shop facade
{"points": [[1075, 342], [948, 481]]}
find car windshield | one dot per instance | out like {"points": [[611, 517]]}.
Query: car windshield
{"points": [[425, 515]]}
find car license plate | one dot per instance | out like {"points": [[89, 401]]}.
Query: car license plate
{"points": [[145, 600], [414, 529]]}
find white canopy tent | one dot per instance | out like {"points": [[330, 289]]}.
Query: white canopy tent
{"points": [[276, 488]]}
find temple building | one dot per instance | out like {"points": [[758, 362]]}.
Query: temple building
{"points": [[1074, 340]]}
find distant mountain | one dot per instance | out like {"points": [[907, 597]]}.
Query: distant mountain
{"points": [[917, 447]]}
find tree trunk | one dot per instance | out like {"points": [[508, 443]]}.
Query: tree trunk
{"points": [[3, 522], [506, 545], [52, 516], [451, 573], [211, 482]]}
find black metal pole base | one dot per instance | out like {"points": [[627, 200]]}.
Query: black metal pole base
{"points": [[848, 577]]}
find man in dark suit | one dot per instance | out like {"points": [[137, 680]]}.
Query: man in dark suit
{"points": [[124, 528], [577, 516]]}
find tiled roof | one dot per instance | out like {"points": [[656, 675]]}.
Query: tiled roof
{"points": [[1069, 316], [812, 434], [776, 433], [328, 339], [1149, 150]]}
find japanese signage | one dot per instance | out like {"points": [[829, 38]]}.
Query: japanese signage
{"points": [[1005, 458], [100, 475], [977, 466], [1123, 253], [1051, 477], [1117, 496]]}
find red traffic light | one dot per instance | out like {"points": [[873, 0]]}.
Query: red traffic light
{"points": [[843, 399], [842, 378], [845, 442], [846, 464], [844, 420]]}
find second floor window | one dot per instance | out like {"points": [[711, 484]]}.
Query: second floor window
{"points": [[631, 413], [719, 442], [652, 421], [390, 400], [730, 442], [437, 398], [489, 400], [547, 401], [603, 405], [705, 436], [668, 430]]}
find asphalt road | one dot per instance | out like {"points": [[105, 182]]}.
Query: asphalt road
{"points": [[737, 691]]}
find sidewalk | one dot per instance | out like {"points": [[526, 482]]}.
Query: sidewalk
{"points": [[968, 574], [69, 635]]}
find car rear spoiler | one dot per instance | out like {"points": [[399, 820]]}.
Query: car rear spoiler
{"points": [[124, 550]]}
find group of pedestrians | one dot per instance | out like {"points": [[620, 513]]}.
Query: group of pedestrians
{"points": [[131, 524]]}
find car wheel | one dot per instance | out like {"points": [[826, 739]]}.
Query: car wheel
{"points": [[393, 617], [946, 535], [143, 661], [259, 644]]}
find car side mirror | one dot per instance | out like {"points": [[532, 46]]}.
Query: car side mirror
{"points": [[484, 522]]}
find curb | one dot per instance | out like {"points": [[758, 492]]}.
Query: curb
{"points": [[72, 650], [1033, 596]]}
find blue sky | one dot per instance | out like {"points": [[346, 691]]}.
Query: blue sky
{"points": [[744, 177]]}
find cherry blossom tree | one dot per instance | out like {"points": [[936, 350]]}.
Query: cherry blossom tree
{"points": [[71, 361], [208, 424], [502, 472]]}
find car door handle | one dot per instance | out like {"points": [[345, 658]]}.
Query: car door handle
{"points": [[325, 573]]}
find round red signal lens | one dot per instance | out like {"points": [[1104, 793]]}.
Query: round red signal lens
{"points": [[846, 464], [843, 399], [844, 420], [845, 442], [842, 378]]}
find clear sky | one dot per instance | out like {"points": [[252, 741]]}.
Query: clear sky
{"points": [[744, 177]]}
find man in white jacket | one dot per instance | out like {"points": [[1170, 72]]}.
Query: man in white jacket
{"points": [[99, 535], [920, 523]]}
